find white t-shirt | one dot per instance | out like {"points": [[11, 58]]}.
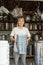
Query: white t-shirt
{"points": [[18, 31], [21, 36]]}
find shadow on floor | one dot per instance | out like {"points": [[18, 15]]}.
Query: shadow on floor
{"points": [[28, 62]]}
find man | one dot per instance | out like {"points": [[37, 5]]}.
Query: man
{"points": [[20, 36]]}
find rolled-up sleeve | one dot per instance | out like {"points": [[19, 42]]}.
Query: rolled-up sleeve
{"points": [[28, 33], [13, 32]]}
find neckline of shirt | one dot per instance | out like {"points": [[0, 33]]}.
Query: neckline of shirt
{"points": [[20, 29]]}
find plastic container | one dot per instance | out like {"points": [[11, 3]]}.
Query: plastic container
{"points": [[4, 52], [39, 53]]}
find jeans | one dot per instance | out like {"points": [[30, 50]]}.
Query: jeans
{"points": [[16, 58]]}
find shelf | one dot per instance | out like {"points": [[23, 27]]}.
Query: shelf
{"points": [[28, 56], [9, 21], [5, 30], [13, 21], [11, 46], [32, 26], [29, 30], [34, 22], [35, 30]]}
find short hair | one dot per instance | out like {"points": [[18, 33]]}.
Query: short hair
{"points": [[20, 17]]}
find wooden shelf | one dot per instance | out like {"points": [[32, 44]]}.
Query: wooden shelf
{"points": [[13, 21], [29, 30], [34, 22], [5, 30], [8, 21], [35, 30], [28, 56]]}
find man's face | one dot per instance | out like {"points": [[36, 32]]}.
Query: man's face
{"points": [[21, 21]]}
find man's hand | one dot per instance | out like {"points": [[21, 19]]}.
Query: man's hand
{"points": [[13, 39], [28, 39], [15, 42]]}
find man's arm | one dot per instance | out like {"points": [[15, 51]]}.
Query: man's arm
{"points": [[28, 39], [13, 39]]}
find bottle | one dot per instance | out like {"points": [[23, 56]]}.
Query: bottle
{"points": [[30, 27], [3, 37], [6, 26], [35, 26], [12, 25]]}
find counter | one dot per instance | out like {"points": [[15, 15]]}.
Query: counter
{"points": [[4, 52], [39, 53]]}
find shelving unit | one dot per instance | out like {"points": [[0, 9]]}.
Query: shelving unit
{"points": [[32, 26], [35, 26], [7, 24]]}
